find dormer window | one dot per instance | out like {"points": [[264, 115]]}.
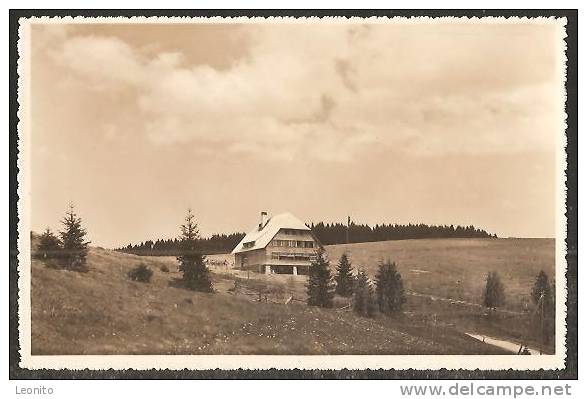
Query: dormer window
{"points": [[249, 244]]}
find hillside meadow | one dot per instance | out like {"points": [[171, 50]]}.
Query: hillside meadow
{"points": [[103, 312], [445, 278], [457, 268]]}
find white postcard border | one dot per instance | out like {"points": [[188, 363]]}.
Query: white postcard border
{"points": [[264, 362]]}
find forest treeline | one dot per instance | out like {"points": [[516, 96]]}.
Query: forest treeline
{"points": [[327, 234], [215, 244], [336, 233]]}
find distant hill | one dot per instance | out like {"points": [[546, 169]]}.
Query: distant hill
{"points": [[339, 233], [327, 234], [215, 244]]}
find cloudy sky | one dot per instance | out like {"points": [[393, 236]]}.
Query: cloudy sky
{"points": [[441, 123]]}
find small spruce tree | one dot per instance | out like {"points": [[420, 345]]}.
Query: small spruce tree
{"points": [[320, 285], [363, 300], [541, 288], [494, 295], [543, 297], [344, 277], [192, 263], [74, 248], [49, 245], [389, 289]]}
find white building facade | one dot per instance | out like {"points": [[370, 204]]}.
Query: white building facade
{"points": [[281, 244]]}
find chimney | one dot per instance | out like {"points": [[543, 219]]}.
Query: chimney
{"points": [[263, 220]]}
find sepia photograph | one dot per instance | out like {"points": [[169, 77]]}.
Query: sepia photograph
{"points": [[309, 193]]}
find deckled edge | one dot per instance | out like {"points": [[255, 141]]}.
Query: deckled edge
{"points": [[24, 152]]}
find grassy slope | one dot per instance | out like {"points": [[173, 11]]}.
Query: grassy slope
{"points": [[456, 268], [102, 312], [446, 277]]}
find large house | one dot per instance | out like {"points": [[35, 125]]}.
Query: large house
{"points": [[279, 244]]}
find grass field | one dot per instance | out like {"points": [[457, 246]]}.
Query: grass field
{"points": [[456, 268], [445, 278], [103, 312]]}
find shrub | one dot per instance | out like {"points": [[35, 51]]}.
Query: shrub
{"points": [[525, 351], [164, 269], [141, 273]]}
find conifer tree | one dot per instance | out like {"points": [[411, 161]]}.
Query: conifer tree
{"points": [[49, 245], [541, 288], [494, 295], [196, 275], [543, 297], [320, 285], [73, 244], [344, 277], [363, 300], [389, 289]]}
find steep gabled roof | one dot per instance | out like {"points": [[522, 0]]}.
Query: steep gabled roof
{"points": [[262, 237]]}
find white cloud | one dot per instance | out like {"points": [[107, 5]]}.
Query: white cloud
{"points": [[334, 92], [104, 62]]}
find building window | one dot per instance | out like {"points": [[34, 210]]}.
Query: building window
{"points": [[248, 244], [292, 244], [291, 232], [293, 256]]}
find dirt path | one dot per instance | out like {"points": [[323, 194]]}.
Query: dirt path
{"points": [[500, 343]]}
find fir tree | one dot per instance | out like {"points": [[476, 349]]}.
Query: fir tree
{"points": [[494, 295], [49, 245], [74, 247], [543, 297], [196, 275], [389, 289], [344, 277], [541, 288], [363, 300], [320, 285]]}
